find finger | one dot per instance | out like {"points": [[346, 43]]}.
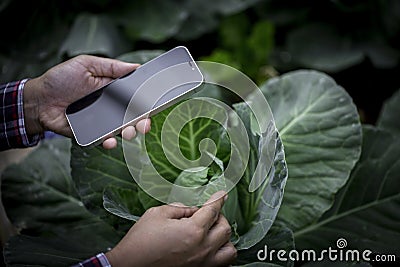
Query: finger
{"points": [[178, 204], [143, 126], [207, 215], [177, 212], [107, 67], [110, 143], [220, 232], [128, 132], [226, 255], [66, 131]]}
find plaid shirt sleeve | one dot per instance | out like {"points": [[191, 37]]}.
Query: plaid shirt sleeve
{"points": [[100, 260], [12, 124]]}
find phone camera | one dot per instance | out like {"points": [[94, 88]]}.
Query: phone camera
{"points": [[191, 65]]}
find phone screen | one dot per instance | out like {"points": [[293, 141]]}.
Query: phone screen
{"points": [[149, 89]]}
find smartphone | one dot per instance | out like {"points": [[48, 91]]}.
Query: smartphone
{"points": [[151, 88]]}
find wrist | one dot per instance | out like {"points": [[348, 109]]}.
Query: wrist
{"points": [[112, 258], [31, 103], [124, 256]]}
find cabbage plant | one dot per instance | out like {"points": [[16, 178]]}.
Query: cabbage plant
{"points": [[69, 203]]}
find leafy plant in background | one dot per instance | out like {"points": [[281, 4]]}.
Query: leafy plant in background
{"points": [[260, 38], [247, 31], [244, 46], [60, 30]]}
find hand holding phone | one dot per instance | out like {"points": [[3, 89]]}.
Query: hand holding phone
{"points": [[149, 89]]}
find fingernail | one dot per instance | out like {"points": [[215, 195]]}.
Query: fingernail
{"points": [[219, 194], [133, 64]]}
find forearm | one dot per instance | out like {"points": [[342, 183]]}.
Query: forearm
{"points": [[31, 107], [13, 132]]}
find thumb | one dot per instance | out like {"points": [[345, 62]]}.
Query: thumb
{"points": [[208, 214], [107, 67]]}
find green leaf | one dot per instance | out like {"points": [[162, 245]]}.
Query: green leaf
{"points": [[232, 30], [258, 209], [204, 181], [147, 201], [261, 41], [193, 178], [278, 238], [227, 7], [198, 23], [224, 57], [320, 47], [41, 201], [389, 117], [153, 21], [233, 214], [381, 54], [122, 202], [365, 212], [212, 91], [93, 34], [37, 191], [34, 58], [244, 48], [93, 169], [4, 4], [321, 132], [194, 130]]}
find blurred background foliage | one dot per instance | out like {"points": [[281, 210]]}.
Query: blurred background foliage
{"points": [[356, 42]]}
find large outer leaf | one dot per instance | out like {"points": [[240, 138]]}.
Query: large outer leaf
{"points": [[198, 23], [267, 200], [259, 208], [320, 47], [366, 211], [153, 21], [122, 202], [93, 34], [321, 132], [389, 117], [278, 238], [24, 185], [40, 199], [95, 168]]}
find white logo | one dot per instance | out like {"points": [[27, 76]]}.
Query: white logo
{"points": [[341, 243]]}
